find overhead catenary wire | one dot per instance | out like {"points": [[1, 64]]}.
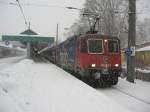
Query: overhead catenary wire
{"points": [[145, 11], [21, 9], [38, 5]]}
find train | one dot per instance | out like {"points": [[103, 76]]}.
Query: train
{"points": [[93, 58]]}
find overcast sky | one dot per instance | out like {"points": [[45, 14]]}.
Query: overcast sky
{"points": [[44, 19]]}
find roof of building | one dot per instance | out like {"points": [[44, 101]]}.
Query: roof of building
{"points": [[29, 32]]}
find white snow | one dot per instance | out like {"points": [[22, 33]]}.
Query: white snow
{"points": [[143, 70], [2, 44], [147, 48], [42, 87], [134, 96], [7, 62], [21, 49]]}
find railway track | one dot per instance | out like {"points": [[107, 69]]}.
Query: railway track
{"points": [[128, 99], [130, 95], [40, 59]]}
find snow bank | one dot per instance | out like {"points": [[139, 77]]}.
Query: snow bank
{"points": [[143, 70], [147, 48], [21, 49], [4, 62], [41, 87]]}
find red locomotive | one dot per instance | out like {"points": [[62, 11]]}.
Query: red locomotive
{"points": [[94, 58]]}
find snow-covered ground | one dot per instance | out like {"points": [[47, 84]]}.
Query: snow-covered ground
{"points": [[42, 87], [143, 70], [135, 97], [9, 61], [147, 48]]}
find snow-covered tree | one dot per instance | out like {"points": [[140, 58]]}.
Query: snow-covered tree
{"points": [[143, 31], [112, 15]]}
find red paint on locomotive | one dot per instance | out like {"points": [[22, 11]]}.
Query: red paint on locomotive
{"points": [[86, 59], [92, 56]]}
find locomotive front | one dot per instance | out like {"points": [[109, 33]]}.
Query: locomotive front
{"points": [[100, 59]]}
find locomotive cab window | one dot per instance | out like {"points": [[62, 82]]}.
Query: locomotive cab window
{"points": [[95, 46], [113, 46]]}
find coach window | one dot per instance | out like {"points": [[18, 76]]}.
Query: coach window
{"points": [[113, 46], [83, 46]]}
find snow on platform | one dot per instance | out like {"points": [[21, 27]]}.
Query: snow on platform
{"points": [[40, 87], [6, 62]]}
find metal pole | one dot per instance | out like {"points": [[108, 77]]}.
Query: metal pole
{"points": [[131, 41], [28, 50], [56, 44], [57, 35]]}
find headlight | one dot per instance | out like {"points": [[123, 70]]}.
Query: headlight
{"points": [[93, 65], [116, 65], [105, 40]]}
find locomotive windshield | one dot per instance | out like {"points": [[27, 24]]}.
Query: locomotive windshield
{"points": [[113, 46], [95, 46]]}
